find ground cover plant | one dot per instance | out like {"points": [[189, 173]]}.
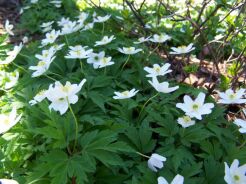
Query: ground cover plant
{"points": [[98, 93]]}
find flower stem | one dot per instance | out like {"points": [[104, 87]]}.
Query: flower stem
{"points": [[24, 56], [76, 125], [81, 65], [147, 103], [66, 40], [125, 62], [51, 78], [142, 155], [151, 52], [242, 145], [103, 29], [20, 67]]}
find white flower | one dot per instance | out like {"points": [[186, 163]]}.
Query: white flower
{"points": [[160, 38], [50, 37], [12, 54], [69, 27], [129, 50], [158, 70], [178, 179], [186, 121], [78, 52], [105, 40], [125, 94], [105, 61], [8, 121], [142, 40], [102, 19], [196, 108], [46, 26], [162, 87], [88, 26], [46, 54], [242, 124], [39, 97], [34, 1], [41, 67], [57, 47], [12, 79], [25, 39], [8, 181], [61, 96], [230, 97], [235, 174], [182, 49], [56, 3], [94, 58], [156, 162], [63, 21], [82, 17], [8, 27]]}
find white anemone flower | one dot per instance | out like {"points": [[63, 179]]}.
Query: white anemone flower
{"points": [[88, 26], [12, 54], [155, 162], [186, 121], [142, 40], [82, 17], [178, 179], [195, 108], [231, 97], [50, 37], [8, 27], [105, 40], [235, 174], [242, 124], [41, 67], [182, 49], [78, 52], [94, 58], [46, 54], [8, 121], [12, 79], [69, 27], [24, 39], [129, 50], [63, 21], [8, 181], [46, 26], [61, 96], [39, 97], [102, 19], [57, 3], [125, 94], [57, 47], [162, 87], [160, 38], [158, 70], [105, 61]]}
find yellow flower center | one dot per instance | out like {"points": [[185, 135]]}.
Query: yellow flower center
{"points": [[65, 89], [195, 107], [186, 119], [157, 69], [41, 63], [104, 60], [51, 37], [6, 121], [236, 177], [125, 93], [78, 52], [232, 96]]}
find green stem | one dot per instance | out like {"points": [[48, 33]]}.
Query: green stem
{"points": [[242, 145], [103, 29], [55, 74], [66, 40], [147, 103], [105, 70], [51, 78], [151, 52], [142, 155], [76, 126], [20, 67], [24, 56], [81, 65], [125, 62]]}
